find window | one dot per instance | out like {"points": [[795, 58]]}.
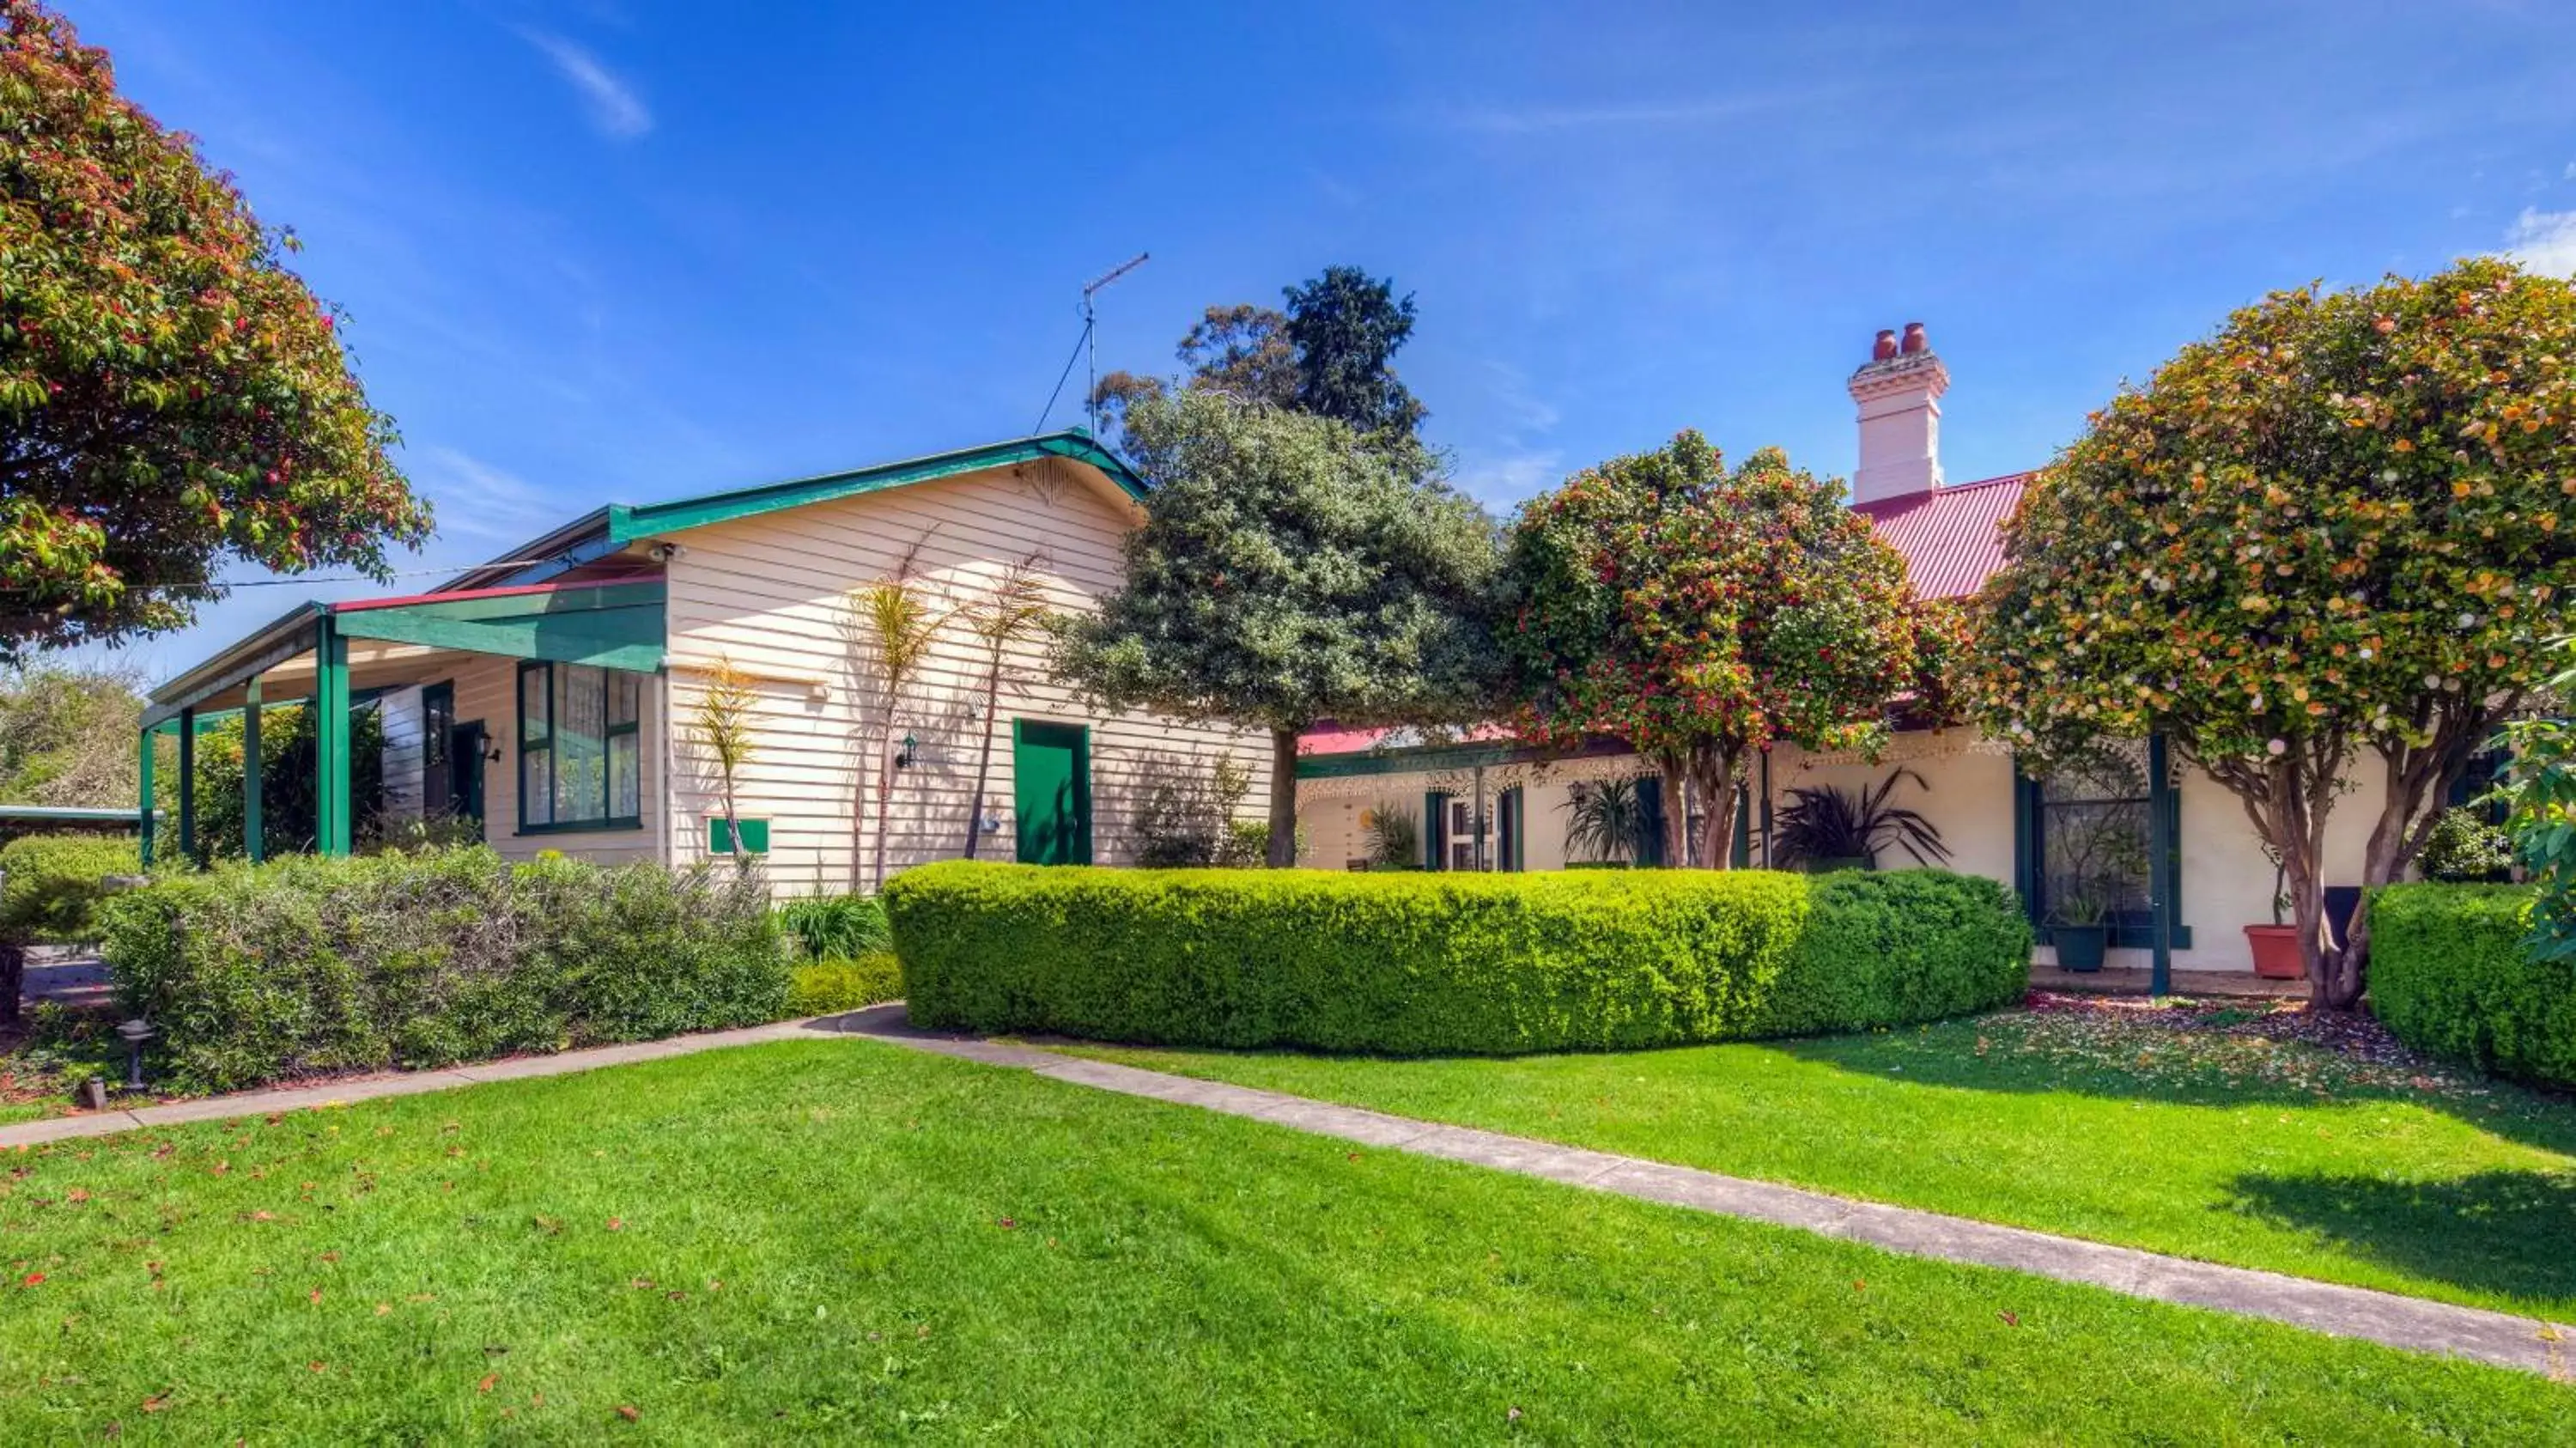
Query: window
{"points": [[580, 762], [2087, 840]]}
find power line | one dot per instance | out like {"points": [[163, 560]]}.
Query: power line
{"points": [[301, 581]]}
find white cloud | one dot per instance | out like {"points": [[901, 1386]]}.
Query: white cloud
{"points": [[1500, 480], [475, 500], [615, 109], [2544, 241]]}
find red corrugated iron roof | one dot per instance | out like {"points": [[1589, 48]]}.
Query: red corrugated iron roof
{"points": [[1329, 737], [1952, 538]]}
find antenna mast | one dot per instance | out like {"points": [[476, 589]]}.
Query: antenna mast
{"points": [[1090, 344]]}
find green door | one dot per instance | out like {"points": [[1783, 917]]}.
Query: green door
{"points": [[1051, 785]]}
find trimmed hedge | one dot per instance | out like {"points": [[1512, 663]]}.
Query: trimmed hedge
{"points": [[307, 966], [51, 884], [1447, 963], [826, 987], [2450, 977]]}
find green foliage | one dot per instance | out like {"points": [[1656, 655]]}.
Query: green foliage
{"points": [[2335, 524], [1286, 573], [1393, 832], [2452, 976], [307, 966], [1347, 326], [1328, 355], [2464, 849], [67, 735], [286, 791], [49, 884], [2540, 795], [1416, 964], [827, 987], [1700, 614], [171, 396], [1824, 823], [830, 927]]}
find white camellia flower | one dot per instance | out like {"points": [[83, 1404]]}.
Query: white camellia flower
{"points": [[2277, 747]]}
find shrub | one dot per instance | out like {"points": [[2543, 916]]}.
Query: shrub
{"points": [[822, 987], [2464, 848], [307, 965], [836, 927], [52, 889], [1422, 963], [2452, 975]]}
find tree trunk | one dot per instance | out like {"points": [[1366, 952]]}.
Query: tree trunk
{"points": [[1714, 777], [885, 797], [1282, 852], [1676, 801], [2414, 776]]}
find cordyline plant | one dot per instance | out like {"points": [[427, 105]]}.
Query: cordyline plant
{"points": [[1013, 610], [894, 623], [2334, 528], [1702, 614], [722, 725], [171, 396]]}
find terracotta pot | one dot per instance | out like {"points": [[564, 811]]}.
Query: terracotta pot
{"points": [[2276, 951]]}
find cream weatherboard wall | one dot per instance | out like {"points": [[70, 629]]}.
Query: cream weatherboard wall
{"points": [[770, 592]]}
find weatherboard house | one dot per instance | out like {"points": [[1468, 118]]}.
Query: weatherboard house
{"points": [[554, 702], [2171, 855]]}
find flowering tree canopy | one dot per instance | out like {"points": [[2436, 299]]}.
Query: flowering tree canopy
{"points": [[1287, 571], [2333, 526], [170, 395], [1701, 614]]}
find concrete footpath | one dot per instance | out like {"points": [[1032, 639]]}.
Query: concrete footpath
{"points": [[2411, 1323]]}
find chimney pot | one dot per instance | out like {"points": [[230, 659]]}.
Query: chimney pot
{"points": [[1885, 346], [1898, 393]]}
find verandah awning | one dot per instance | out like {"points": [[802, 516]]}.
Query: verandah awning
{"points": [[615, 624]]}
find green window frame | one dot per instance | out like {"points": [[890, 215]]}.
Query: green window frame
{"points": [[2130, 930], [580, 748]]}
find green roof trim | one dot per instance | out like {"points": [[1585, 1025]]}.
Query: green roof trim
{"points": [[630, 522], [1415, 759]]}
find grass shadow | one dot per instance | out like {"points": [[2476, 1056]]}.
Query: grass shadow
{"points": [[2497, 1231]]}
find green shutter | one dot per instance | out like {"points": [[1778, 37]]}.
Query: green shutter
{"points": [[1650, 821], [1435, 826]]}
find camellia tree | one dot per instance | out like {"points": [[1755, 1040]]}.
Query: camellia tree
{"points": [[1287, 571], [1702, 614], [2332, 530], [171, 396]]}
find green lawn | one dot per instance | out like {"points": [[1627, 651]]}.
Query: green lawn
{"points": [[2244, 1151], [838, 1239]]}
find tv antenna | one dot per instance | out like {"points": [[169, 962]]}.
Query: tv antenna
{"points": [[1088, 348]]}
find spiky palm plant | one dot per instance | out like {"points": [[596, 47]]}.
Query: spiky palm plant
{"points": [[896, 623], [1605, 820], [1825, 823], [721, 725], [1016, 608]]}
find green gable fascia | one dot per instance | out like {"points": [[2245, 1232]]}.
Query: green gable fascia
{"points": [[629, 522]]}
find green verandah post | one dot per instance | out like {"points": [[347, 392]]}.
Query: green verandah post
{"points": [[251, 831], [143, 817], [332, 826], [2160, 865], [188, 849]]}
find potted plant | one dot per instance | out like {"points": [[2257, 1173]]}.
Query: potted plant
{"points": [[2079, 923], [1825, 828], [2276, 946]]}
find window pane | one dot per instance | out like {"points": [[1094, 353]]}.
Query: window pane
{"points": [[621, 697], [624, 784], [534, 807], [532, 704], [581, 773], [2094, 832]]}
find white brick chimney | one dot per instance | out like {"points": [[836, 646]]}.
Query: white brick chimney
{"points": [[1899, 393]]}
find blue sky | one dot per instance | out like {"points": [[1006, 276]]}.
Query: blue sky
{"points": [[621, 251]]}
